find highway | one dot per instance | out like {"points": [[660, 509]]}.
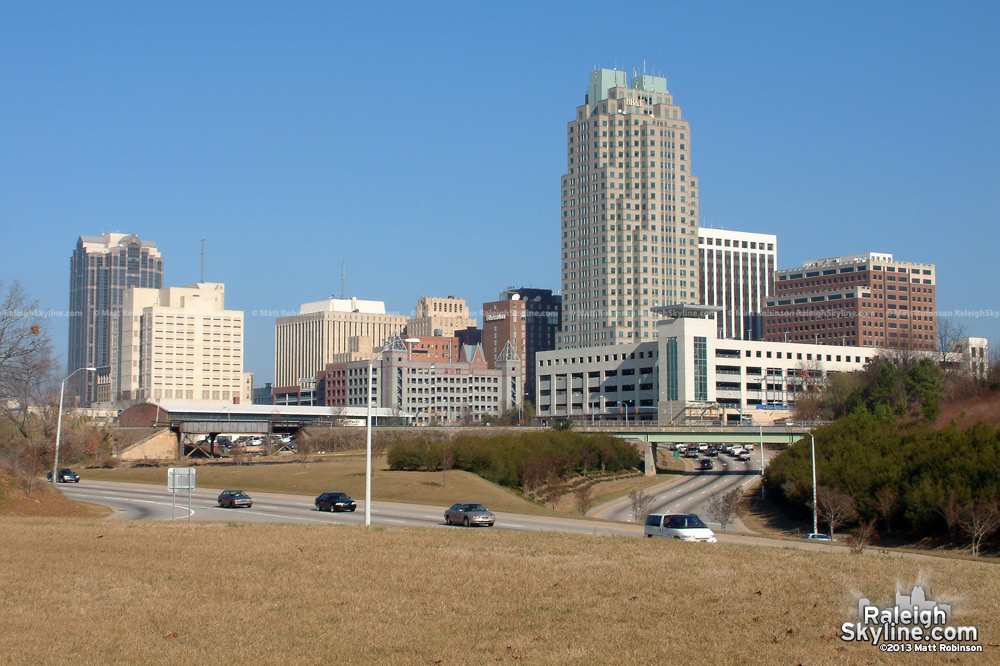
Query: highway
{"points": [[694, 491]]}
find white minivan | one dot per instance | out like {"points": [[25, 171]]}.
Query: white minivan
{"points": [[683, 526]]}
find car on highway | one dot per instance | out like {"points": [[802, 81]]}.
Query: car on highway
{"points": [[735, 451], [817, 536], [66, 475], [334, 501], [726, 448], [706, 464], [234, 499], [712, 451], [744, 456], [703, 447], [468, 514], [683, 526]]}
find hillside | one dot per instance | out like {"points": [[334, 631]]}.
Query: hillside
{"points": [[43, 501], [966, 412]]}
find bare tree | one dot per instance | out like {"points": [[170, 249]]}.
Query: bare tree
{"points": [[862, 536], [948, 332], [238, 452], [447, 461], [640, 502], [950, 510], [835, 506], [978, 520], [885, 503], [304, 447], [724, 508], [584, 494]]}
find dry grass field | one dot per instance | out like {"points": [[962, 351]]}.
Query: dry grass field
{"points": [[346, 473], [104, 591]]}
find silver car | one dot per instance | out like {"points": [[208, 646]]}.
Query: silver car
{"points": [[468, 514]]}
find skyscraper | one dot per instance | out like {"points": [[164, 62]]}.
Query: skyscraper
{"points": [[629, 212], [100, 270]]}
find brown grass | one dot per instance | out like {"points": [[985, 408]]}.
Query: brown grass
{"points": [[44, 500], [97, 592]]}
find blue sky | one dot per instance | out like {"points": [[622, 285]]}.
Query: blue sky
{"points": [[422, 143]]}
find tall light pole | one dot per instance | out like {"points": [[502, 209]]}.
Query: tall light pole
{"points": [[815, 522], [62, 390], [368, 437]]}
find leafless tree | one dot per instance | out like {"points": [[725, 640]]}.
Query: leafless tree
{"points": [[948, 332], [978, 520], [835, 506], [584, 495], [950, 510], [304, 447], [238, 452], [723, 508], [885, 503], [862, 536], [640, 502], [447, 461]]}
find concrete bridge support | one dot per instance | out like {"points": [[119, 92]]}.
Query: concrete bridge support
{"points": [[650, 458]]}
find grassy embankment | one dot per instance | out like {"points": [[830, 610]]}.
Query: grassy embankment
{"points": [[96, 592], [346, 473]]}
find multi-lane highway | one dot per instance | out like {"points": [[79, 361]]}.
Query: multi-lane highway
{"points": [[693, 492], [145, 502]]}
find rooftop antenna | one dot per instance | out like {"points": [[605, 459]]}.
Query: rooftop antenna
{"points": [[202, 259], [341, 279]]}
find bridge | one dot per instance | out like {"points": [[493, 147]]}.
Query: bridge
{"points": [[652, 437]]}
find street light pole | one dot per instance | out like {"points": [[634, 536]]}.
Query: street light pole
{"points": [[368, 436], [62, 390], [813, 445]]}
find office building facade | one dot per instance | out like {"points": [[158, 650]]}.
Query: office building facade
{"points": [[102, 268], [179, 344], [527, 320], [737, 275], [436, 316], [866, 300], [305, 343], [629, 220]]}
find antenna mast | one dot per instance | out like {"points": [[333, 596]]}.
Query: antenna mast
{"points": [[341, 280], [202, 259]]}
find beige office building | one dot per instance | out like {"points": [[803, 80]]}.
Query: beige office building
{"points": [[179, 343], [629, 212], [325, 331], [436, 316]]}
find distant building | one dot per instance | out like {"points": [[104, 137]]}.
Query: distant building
{"points": [[629, 212], [180, 344], [246, 396], [527, 320], [101, 269], [439, 316], [470, 336], [867, 300], [305, 343], [737, 274], [432, 380], [264, 395]]}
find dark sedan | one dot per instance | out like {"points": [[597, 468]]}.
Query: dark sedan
{"points": [[66, 475], [468, 514], [335, 502], [234, 499]]}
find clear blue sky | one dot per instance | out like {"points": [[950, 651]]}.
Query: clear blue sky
{"points": [[422, 143]]}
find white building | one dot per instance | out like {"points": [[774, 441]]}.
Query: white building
{"points": [[688, 373], [178, 343], [737, 275]]}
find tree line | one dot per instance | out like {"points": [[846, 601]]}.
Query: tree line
{"points": [[524, 460]]}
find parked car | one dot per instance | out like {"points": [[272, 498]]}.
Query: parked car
{"points": [[66, 475], [468, 514], [335, 502], [234, 499], [683, 526], [816, 536], [707, 464]]}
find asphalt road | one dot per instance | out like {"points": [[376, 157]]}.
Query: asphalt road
{"points": [[694, 491]]}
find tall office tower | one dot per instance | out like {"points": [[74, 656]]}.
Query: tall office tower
{"points": [[629, 212], [439, 316], [305, 343], [100, 270], [737, 274], [865, 300], [179, 343], [526, 319]]}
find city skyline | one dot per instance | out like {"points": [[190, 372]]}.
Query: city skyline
{"points": [[813, 124]]}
